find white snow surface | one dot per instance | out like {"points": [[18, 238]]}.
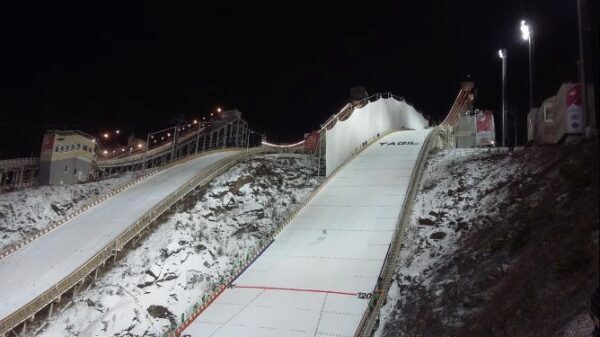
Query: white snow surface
{"points": [[186, 255], [39, 265], [306, 282], [23, 213], [421, 254]]}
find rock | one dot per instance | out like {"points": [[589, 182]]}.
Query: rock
{"points": [[158, 311], [437, 235], [168, 277], [426, 222], [56, 208]]}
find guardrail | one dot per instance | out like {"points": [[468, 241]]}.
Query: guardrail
{"points": [[159, 150], [371, 315], [19, 162], [231, 275], [117, 244]]}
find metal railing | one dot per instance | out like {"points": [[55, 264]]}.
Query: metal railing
{"points": [[117, 244], [19, 162], [161, 149]]}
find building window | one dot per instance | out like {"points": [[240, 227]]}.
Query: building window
{"points": [[72, 147], [57, 148], [548, 113], [78, 146], [85, 148], [66, 168], [74, 172]]}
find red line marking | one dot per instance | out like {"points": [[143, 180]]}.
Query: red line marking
{"points": [[297, 289]]}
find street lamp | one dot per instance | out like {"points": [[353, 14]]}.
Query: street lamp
{"points": [[502, 54], [526, 34]]}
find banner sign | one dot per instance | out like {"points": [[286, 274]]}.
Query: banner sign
{"points": [[574, 110], [48, 143], [485, 129], [311, 140]]}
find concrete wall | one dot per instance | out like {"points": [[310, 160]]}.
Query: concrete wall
{"points": [[66, 171], [67, 157]]}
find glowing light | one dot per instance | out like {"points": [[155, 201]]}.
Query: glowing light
{"points": [[525, 31], [195, 121], [117, 132], [501, 53], [218, 109], [105, 152], [140, 145], [105, 135]]}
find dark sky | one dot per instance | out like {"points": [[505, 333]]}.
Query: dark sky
{"points": [[287, 67]]}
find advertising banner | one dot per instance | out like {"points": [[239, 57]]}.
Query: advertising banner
{"points": [[311, 140], [48, 143], [485, 129], [575, 121]]}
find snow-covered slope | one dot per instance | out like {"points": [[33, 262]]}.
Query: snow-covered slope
{"points": [[24, 212], [500, 244], [170, 270], [453, 182]]}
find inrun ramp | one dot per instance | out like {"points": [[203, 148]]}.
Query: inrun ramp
{"points": [[42, 263], [307, 282]]}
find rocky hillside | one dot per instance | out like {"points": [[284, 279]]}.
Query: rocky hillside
{"points": [[500, 244], [187, 252]]}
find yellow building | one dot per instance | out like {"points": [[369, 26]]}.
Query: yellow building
{"points": [[67, 157]]}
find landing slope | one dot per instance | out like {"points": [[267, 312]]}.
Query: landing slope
{"points": [[35, 268], [307, 281]]}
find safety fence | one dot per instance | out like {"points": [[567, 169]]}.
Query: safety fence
{"points": [[196, 309], [111, 249]]}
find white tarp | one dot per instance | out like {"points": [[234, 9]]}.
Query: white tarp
{"points": [[307, 282], [379, 117]]}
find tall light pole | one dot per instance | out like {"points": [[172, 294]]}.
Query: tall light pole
{"points": [[526, 34], [502, 54]]}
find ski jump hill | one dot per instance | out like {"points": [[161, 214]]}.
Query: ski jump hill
{"points": [[322, 274], [319, 275]]}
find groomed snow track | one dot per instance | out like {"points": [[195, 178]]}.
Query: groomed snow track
{"points": [[38, 274], [318, 274]]}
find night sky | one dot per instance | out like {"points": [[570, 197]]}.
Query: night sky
{"points": [[287, 66]]}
